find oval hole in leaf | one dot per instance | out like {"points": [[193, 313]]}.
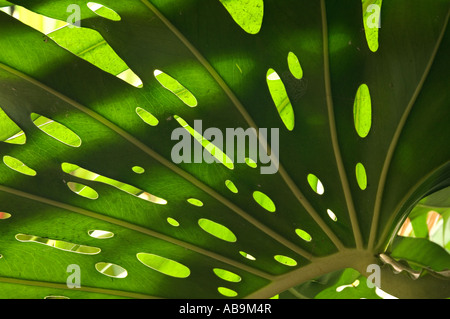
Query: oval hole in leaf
{"points": [[100, 234], [331, 215], [18, 166], [56, 130], [227, 292], [303, 234], [217, 230], [147, 117], [288, 261], [195, 202], [18, 139], [361, 176], [103, 11], [91, 46], [176, 88], [230, 185], [315, 184], [294, 66], [246, 255], [82, 190], [138, 169], [4, 215], [35, 20], [130, 77], [362, 111], [281, 99], [80, 172], [248, 14], [264, 200], [59, 244], [433, 219], [173, 222], [164, 265], [227, 275], [251, 163], [371, 19], [111, 270]]}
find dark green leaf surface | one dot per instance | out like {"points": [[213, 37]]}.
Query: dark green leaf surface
{"points": [[199, 44]]}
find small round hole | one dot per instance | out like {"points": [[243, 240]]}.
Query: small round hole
{"points": [[288, 261], [227, 292]]}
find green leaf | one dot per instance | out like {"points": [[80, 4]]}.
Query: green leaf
{"points": [[430, 219], [9, 131], [164, 265]]}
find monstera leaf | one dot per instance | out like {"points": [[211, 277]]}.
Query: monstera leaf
{"points": [[112, 187]]}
